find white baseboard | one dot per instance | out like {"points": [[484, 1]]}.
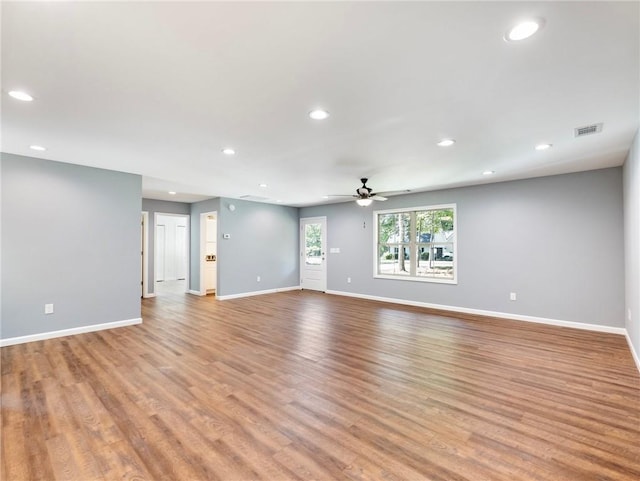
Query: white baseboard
{"points": [[196, 293], [258, 293], [501, 315], [68, 332], [149, 294], [634, 354]]}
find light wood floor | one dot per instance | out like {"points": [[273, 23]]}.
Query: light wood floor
{"points": [[305, 385]]}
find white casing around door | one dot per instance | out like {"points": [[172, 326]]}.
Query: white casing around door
{"points": [[211, 253]]}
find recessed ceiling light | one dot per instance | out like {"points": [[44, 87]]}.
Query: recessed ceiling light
{"points": [[319, 114], [37, 147], [489, 172], [325, 196], [524, 30], [278, 201], [228, 151], [446, 142], [543, 146], [263, 185], [20, 95], [172, 192]]}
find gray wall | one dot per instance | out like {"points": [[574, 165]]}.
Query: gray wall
{"points": [[264, 242], [71, 237], [632, 242], [555, 241], [161, 207]]}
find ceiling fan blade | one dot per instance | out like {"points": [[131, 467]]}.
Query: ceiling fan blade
{"points": [[343, 195], [379, 197], [393, 192]]}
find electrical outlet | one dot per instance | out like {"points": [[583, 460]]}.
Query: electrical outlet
{"points": [[513, 296], [258, 279], [48, 308], [348, 280]]}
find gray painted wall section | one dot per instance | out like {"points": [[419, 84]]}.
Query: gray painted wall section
{"points": [[555, 241], [264, 242], [153, 206], [71, 237], [632, 243]]}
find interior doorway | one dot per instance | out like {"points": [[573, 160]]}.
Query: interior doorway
{"points": [[171, 259], [208, 253]]}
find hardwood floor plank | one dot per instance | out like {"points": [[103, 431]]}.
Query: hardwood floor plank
{"points": [[119, 461], [303, 385]]}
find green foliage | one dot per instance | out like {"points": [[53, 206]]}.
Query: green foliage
{"points": [[312, 235], [394, 228], [433, 221]]}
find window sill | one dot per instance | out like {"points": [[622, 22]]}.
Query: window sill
{"points": [[416, 279]]}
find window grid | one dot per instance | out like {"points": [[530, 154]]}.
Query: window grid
{"points": [[433, 261]]}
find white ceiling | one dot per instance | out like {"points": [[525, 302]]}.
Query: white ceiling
{"points": [[158, 89]]}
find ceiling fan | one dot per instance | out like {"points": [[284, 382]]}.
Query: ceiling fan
{"points": [[364, 195]]}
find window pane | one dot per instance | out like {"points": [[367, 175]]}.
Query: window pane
{"points": [[424, 226], [434, 225], [444, 219], [394, 228], [313, 245], [435, 260], [394, 259]]}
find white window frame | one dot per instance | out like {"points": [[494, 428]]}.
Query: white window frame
{"points": [[403, 277]]}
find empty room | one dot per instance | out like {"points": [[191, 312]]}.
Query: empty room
{"points": [[320, 241]]}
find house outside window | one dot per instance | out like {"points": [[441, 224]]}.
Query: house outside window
{"points": [[417, 244]]}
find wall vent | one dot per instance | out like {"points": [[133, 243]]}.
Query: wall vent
{"points": [[587, 130]]}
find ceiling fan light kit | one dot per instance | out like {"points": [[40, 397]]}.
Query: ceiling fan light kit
{"points": [[364, 202]]}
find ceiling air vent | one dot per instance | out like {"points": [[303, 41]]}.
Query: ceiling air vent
{"points": [[255, 198], [587, 130]]}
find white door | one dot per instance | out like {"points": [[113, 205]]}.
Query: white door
{"points": [[171, 247], [313, 264], [181, 252], [161, 243]]}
